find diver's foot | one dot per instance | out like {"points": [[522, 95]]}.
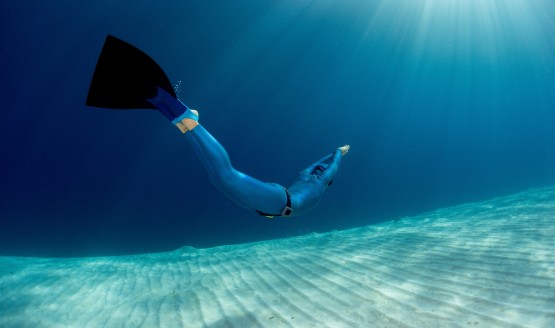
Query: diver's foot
{"points": [[344, 149], [187, 124]]}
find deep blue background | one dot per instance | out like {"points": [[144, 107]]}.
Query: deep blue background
{"points": [[443, 102]]}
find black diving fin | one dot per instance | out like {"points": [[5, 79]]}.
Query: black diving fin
{"points": [[126, 78]]}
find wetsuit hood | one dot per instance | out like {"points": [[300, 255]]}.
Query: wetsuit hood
{"points": [[319, 170]]}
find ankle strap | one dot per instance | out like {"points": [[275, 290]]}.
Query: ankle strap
{"points": [[188, 114]]}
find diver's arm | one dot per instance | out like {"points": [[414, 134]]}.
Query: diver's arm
{"points": [[333, 166], [331, 160]]}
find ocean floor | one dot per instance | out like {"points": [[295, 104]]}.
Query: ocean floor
{"points": [[488, 264]]}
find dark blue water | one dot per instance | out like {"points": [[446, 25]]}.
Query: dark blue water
{"points": [[443, 102]]}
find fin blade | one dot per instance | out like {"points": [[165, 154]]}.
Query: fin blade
{"points": [[125, 77]]}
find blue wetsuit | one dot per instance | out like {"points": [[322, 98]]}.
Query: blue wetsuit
{"points": [[266, 198], [270, 199]]}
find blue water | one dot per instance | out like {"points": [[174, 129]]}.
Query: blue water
{"points": [[442, 102]]}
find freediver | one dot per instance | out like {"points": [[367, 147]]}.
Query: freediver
{"points": [[127, 78]]}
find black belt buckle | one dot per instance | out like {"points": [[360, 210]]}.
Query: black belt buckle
{"points": [[287, 211]]}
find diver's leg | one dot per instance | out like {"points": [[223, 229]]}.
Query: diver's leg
{"points": [[210, 169], [241, 188]]}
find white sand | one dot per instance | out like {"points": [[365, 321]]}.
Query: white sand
{"points": [[489, 264]]}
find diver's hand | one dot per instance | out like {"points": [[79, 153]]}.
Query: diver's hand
{"points": [[344, 149]]}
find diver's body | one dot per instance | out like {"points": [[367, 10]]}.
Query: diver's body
{"points": [[268, 199]]}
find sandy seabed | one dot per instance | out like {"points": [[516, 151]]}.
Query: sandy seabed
{"points": [[488, 264]]}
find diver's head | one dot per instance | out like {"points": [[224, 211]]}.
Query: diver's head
{"points": [[319, 170]]}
